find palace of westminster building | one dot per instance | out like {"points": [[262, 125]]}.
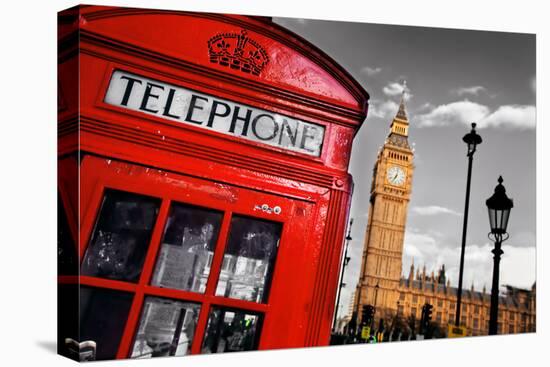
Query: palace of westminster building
{"points": [[381, 282]]}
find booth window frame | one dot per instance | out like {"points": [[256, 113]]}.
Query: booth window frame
{"points": [[91, 201]]}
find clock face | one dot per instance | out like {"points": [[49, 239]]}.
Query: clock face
{"points": [[396, 175]]}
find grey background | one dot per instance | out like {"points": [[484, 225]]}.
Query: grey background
{"points": [[454, 77]]}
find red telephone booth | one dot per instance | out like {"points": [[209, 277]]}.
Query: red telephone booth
{"points": [[203, 182]]}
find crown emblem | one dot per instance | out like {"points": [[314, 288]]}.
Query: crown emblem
{"points": [[237, 51]]}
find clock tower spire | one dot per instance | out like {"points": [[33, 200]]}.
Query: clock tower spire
{"points": [[400, 123], [389, 199]]}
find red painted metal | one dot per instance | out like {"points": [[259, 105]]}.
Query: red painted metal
{"points": [[126, 150]]}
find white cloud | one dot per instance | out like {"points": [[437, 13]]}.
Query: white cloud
{"points": [[385, 109], [474, 90], [462, 112], [465, 112], [371, 71], [517, 264], [394, 89], [434, 210], [512, 116], [416, 245]]}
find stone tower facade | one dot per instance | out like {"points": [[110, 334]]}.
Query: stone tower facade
{"points": [[381, 267]]}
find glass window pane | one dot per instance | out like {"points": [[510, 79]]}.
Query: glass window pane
{"points": [[249, 259], [187, 248], [67, 263], [166, 328], [103, 315], [505, 217], [231, 331], [121, 236], [492, 218]]}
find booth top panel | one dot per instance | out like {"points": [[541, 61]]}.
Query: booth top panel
{"points": [[251, 48]]}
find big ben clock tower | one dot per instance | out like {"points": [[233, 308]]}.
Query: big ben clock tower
{"points": [[389, 198]]}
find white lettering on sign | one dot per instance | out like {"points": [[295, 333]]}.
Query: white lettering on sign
{"points": [[175, 103]]}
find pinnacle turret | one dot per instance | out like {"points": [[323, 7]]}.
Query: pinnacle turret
{"points": [[402, 113], [400, 123]]}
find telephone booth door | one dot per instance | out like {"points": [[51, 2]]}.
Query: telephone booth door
{"points": [[185, 265]]}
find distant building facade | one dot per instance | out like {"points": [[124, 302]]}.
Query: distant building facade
{"points": [[398, 299], [516, 309]]}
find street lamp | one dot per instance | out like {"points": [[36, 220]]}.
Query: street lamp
{"points": [[342, 284], [376, 287], [376, 293], [472, 139], [499, 206]]}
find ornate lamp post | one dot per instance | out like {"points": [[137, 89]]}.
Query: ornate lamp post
{"points": [[472, 139], [342, 284], [499, 206]]}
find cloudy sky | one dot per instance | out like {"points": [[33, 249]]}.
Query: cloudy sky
{"points": [[454, 77]]}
